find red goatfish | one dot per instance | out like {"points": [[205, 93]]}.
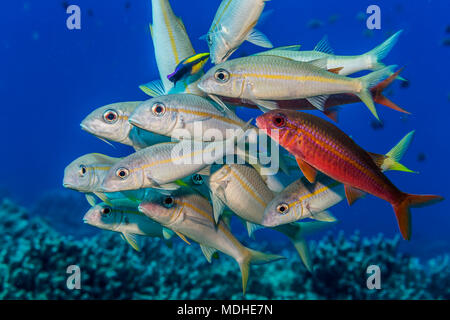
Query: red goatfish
{"points": [[319, 145]]}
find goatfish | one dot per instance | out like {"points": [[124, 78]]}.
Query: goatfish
{"points": [[333, 102], [243, 191], [319, 145], [302, 199], [189, 67], [190, 215], [160, 165], [344, 65], [125, 218], [86, 173], [172, 45], [233, 24], [195, 116], [110, 122], [263, 79]]}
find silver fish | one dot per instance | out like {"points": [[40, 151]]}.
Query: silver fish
{"points": [[190, 215], [234, 23], [125, 218], [242, 189], [158, 166], [185, 113], [110, 122], [172, 45], [345, 65], [264, 79]]}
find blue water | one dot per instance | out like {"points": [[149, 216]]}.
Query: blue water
{"points": [[52, 77]]}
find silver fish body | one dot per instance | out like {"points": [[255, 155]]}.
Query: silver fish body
{"points": [[110, 122], [172, 45], [190, 215], [301, 200], [232, 25], [196, 117]]}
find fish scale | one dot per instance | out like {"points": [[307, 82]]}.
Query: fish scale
{"points": [[320, 145]]}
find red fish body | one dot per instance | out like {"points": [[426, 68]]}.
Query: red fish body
{"points": [[319, 145]]}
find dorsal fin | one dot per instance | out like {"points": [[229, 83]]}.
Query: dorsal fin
{"points": [[324, 46]]}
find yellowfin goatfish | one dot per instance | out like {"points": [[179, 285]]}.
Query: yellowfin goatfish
{"points": [[188, 67], [263, 79], [191, 114], [110, 122], [234, 23], [243, 190], [172, 46], [344, 65], [302, 199], [125, 218], [190, 215], [158, 166]]}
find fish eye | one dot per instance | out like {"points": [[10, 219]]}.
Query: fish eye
{"points": [[222, 75], [110, 116], [197, 179], [168, 202], [122, 173], [282, 208], [279, 121], [106, 211], [158, 109], [82, 171]]}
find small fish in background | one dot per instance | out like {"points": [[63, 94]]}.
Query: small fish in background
{"points": [[90, 12], [127, 5], [315, 24], [319, 145], [189, 67], [189, 215], [65, 5], [301, 199], [123, 216], [405, 84], [233, 24], [333, 18], [361, 16], [377, 125], [446, 42], [421, 157], [111, 123]]}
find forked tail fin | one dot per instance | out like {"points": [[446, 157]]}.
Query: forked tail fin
{"points": [[254, 257], [378, 97], [403, 213]]}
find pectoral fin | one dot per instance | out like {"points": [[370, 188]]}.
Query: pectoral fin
{"points": [[182, 237], [258, 38], [132, 240], [309, 172], [218, 206], [91, 199], [208, 252], [318, 101], [251, 228], [167, 234], [353, 194], [324, 216], [265, 105]]}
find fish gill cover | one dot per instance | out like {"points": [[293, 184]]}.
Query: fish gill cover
{"points": [[175, 204]]}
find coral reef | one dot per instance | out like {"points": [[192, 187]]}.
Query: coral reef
{"points": [[34, 258]]}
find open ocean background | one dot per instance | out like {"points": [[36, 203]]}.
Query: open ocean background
{"points": [[52, 77]]}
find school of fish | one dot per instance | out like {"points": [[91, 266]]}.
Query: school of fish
{"points": [[195, 166]]}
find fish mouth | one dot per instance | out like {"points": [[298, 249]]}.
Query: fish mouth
{"points": [[136, 123], [85, 127]]}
